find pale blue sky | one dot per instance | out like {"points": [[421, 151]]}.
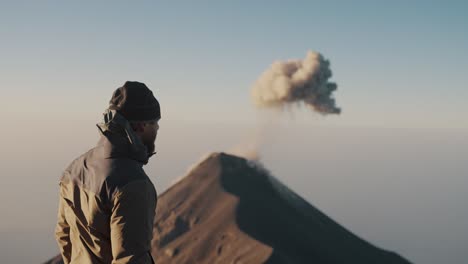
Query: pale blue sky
{"points": [[392, 167], [402, 61]]}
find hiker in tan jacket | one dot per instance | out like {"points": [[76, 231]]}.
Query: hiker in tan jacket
{"points": [[107, 202]]}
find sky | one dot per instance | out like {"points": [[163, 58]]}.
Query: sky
{"points": [[392, 167]]}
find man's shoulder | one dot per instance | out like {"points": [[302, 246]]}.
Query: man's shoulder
{"points": [[76, 164], [98, 173], [125, 172]]}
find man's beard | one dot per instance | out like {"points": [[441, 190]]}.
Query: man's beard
{"points": [[150, 147]]}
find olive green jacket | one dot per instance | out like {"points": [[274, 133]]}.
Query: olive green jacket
{"points": [[107, 202]]}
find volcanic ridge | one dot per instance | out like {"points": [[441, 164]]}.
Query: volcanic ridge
{"points": [[231, 210]]}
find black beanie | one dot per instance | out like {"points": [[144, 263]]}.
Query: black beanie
{"points": [[136, 102]]}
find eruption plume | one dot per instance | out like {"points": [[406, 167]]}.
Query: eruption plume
{"points": [[297, 82]]}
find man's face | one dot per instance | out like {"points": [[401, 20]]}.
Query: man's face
{"points": [[149, 133]]}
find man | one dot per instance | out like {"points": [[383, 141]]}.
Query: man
{"points": [[107, 202]]}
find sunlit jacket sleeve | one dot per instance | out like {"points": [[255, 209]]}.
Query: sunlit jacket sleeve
{"points": [[131, 223], [62, 230]]}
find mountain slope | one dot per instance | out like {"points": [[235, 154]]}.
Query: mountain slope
{"points": [[228, 210]]}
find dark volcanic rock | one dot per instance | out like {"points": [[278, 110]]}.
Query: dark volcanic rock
{"points": [[228, 210]]}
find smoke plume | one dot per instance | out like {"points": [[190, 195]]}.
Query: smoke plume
{"points": [[297, 82]]}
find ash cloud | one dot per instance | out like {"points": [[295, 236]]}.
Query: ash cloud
{"points": [[298, 82]]}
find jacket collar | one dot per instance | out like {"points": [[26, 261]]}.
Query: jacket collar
{"points": [[119, 139]]}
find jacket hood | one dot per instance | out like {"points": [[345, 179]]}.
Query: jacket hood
{"points": [[119, 140]]}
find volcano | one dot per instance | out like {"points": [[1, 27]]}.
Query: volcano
{"points": [[231, 210]]}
